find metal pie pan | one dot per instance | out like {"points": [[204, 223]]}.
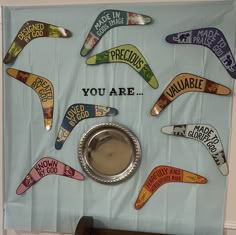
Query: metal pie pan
{"points": [[109, 153]]}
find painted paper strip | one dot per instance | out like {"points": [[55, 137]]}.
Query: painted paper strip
{"points": [[186, 82], [107, 20], [130, 55], [47, 166], [207, 135], [211, 38], [43, 87], [161, 175], [32, 30], [78, 112]]}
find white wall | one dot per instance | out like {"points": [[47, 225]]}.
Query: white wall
{"points": [[230, 217]]}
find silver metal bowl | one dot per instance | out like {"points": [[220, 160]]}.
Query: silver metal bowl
{"points": [[109, 153]]}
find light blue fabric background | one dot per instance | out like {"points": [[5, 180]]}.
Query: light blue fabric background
{"points": [[56, 203]]}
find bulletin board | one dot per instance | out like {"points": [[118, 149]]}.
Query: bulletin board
{"points": [[56, 203]]}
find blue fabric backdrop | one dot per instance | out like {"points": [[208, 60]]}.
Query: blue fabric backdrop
{"points": [[56, 203]]}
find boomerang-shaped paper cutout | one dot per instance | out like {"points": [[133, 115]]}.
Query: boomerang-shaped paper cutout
{"points": [[186, 82], [43, 88], [212, 38], [130, 55], [107, 20], [29, 31], [161, 175], [78, 112], [47, 166], [207, 135]]}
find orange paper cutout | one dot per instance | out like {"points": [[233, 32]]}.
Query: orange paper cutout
{"points": [[161, 175]]}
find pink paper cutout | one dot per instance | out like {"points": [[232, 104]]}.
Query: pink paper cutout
{"points": [[47, 166]]}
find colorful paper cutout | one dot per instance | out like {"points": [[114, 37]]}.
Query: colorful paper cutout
{"points": [[78, 112], [130, 55], [212, 38], [43, 87], [207, 135], [32, 30], [107, 20], [186, 82], [47, 166], [161, 175]]}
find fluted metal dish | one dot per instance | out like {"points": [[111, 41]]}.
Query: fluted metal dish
{"points": [[109, 153]]}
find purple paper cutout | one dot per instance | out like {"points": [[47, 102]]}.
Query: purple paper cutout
{"points": [[212, 38]]}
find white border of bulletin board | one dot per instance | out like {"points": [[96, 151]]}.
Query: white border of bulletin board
{"points": [[230, 216]]}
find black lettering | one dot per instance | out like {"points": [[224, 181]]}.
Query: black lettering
{"points": [[196, 128], [206, 130], [201, 129], [117, 53], [200, 84], [122, 54], [85, 91], [122, 91], [133, 58], [180, 85], [191, 82], [101, 91], [139, 65], [113, 53], [171, 94], [130, 91], [137, 62], [176, 88], [113, 92], [186, 83], [130, 55], [126, 55], [190, 133], [93, 91]]}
